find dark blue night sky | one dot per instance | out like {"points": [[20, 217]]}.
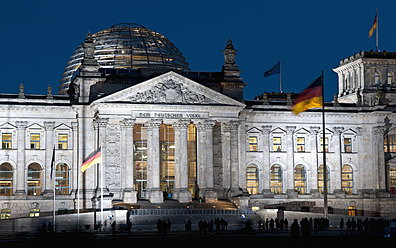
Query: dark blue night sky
{"points": [[38, 37]]}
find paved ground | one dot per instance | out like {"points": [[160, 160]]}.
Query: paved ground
{"points": [[330, 238]]}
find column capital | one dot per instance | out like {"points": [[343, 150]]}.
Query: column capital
{"points": [[128, 122], [101, 122], [21, 124], [379, 129], [338, 130], [314, 130], [290, 129], [266, 129], [181, 124], [153, 123], [74, 126], [49, 125], [209, 124]]}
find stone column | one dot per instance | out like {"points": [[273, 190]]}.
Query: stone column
{"points": [[313, 132], [21, 162], [290, 161], [201, 158], [49, 146], [181, 161], [76, 179], [337, 160], [129, 194], [266, 179], [102, 124], [379, 132], [226, 154], [234, 163], [153, 161], [210, 193]]}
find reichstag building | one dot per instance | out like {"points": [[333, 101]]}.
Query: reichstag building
{"points": [[166, 131]]}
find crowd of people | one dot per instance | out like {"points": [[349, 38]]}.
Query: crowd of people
{"points": [[366, 227], [217, 225]]}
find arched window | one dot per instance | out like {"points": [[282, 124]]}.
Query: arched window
{"points": [[390, 78], [34, 179], [276, 179], [252, 179], [321, 179], [6, 179], [300, 182], [62, 181], [376, 78], [347, 179]]}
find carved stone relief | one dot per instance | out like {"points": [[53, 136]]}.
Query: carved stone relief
{"points": [[113, 154], [169, 91]]}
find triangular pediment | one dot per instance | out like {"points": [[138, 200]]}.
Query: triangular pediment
{"points": [[170, 88]]}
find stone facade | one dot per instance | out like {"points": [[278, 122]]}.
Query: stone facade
{"points": [[238, 143]]}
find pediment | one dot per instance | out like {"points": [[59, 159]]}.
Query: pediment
{"points": [[170, 88]]}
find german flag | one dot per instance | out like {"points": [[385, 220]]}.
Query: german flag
{"points": [[375, 25], [94, 158], [311, 97]]}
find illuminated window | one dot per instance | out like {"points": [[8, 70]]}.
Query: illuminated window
{"points": [[34, 179], [321, 179], [392, 179], [62, 179], [390, 78], [352, 211], [348, 145], [376, 78], [252, 143], [34, 141], [390, 143], [5, 213], [34, 212], [347, 179], [300, 144], [140, 159], [277, 144], [252, 179], [326, 144], [276, 179], [300, 182], [62, 141], [6, 141], [6, 179]]}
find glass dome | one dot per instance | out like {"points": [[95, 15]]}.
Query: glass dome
{"points": [[128, 45]]}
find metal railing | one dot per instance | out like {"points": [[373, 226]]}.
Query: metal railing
{"points": [[190, 211]]}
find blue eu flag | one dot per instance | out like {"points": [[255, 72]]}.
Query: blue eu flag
{"points": [[273, 70]]}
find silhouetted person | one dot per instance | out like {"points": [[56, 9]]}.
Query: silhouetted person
{"points": [[295, 229]]}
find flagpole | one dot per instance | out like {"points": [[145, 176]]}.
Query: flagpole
{"points": [[101, 195], [280, 77], [53, 185], [376, 40], [324, 154]]}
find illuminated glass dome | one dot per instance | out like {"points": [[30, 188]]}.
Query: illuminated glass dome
{"points": [[128, 45]]}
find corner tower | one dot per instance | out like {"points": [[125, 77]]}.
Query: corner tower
{"points": [[367, 79]]}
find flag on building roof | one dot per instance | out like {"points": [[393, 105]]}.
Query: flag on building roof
{"points": [[93, 159], [311, 97], [375, 25], [273, 70]]}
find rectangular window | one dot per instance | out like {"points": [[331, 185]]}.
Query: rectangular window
{"points": [[348, 145], [300, 144], [6, 141], [252, 143], [352, 211], [326, 144], [390, 143], [5, 213], [34, 212], [62, 141], [276, 144], [34, 141]]}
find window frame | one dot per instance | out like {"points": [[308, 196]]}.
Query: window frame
{"points": [[277, 147], [344, 181], [275, 189], [5, 141], [61, 144], [253, 190], [300, 190], [33, 143], [35, 191], [299, 145], [253, 146], [11, 189], [64, 190]]}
